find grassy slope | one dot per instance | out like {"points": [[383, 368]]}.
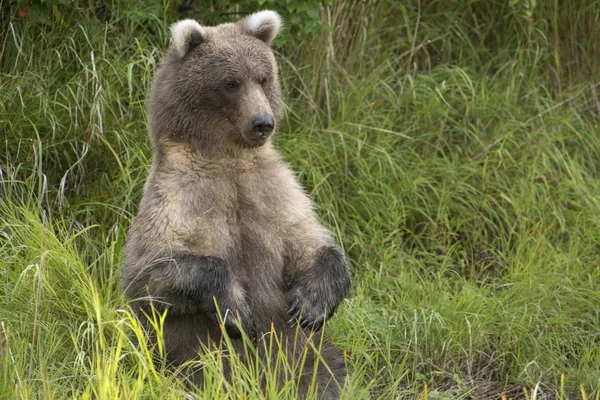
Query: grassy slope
{"points": [[452, 148]]}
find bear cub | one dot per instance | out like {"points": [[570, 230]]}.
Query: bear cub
{"points": [[223, 225]]}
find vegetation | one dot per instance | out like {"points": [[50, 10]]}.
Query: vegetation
{"points": [[453, 148]]}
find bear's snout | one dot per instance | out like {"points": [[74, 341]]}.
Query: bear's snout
{"points": [[262, 126]]}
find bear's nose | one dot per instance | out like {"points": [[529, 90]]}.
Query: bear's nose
{"points": [[262, 124]]}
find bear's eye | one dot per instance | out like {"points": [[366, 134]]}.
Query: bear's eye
{"points": [[231, 86], [263, 81]]}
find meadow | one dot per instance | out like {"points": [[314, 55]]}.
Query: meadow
{"points": [[452, 147]]}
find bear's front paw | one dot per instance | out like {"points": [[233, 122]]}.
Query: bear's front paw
{"points": [[308, 309], [315, 293], [209, 282]]}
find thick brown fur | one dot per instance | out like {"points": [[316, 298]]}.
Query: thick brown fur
{"points": [[223, 218]]}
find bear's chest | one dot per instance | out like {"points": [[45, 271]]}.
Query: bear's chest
{"points": [[260, 248], [258, 223]]}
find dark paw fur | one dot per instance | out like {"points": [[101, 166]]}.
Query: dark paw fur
{"points": [[315, 294], [208, 282]]}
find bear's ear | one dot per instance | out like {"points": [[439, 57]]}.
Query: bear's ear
{"points": [[186, 34], [263, 25]]}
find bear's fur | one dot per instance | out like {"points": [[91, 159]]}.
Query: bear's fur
{"points": [[223, 219]]}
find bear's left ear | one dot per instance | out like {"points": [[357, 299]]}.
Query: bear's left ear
{"points": [[185, 34], [263, 25]]}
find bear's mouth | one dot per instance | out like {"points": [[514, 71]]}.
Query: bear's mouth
{"points": [[255, 142]]}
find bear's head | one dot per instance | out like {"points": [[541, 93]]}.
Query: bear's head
{"points": [[217, 87]]}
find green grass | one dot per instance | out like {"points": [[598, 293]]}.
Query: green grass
{"points": [[453, 148]]}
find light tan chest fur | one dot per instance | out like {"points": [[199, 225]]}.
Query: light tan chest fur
{"points": [[248, 212]]}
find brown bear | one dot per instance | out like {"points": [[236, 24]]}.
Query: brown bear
{"points": [[223, 222]]}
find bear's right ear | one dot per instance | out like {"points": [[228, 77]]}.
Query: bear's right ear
{"points": [[186, 34]]}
